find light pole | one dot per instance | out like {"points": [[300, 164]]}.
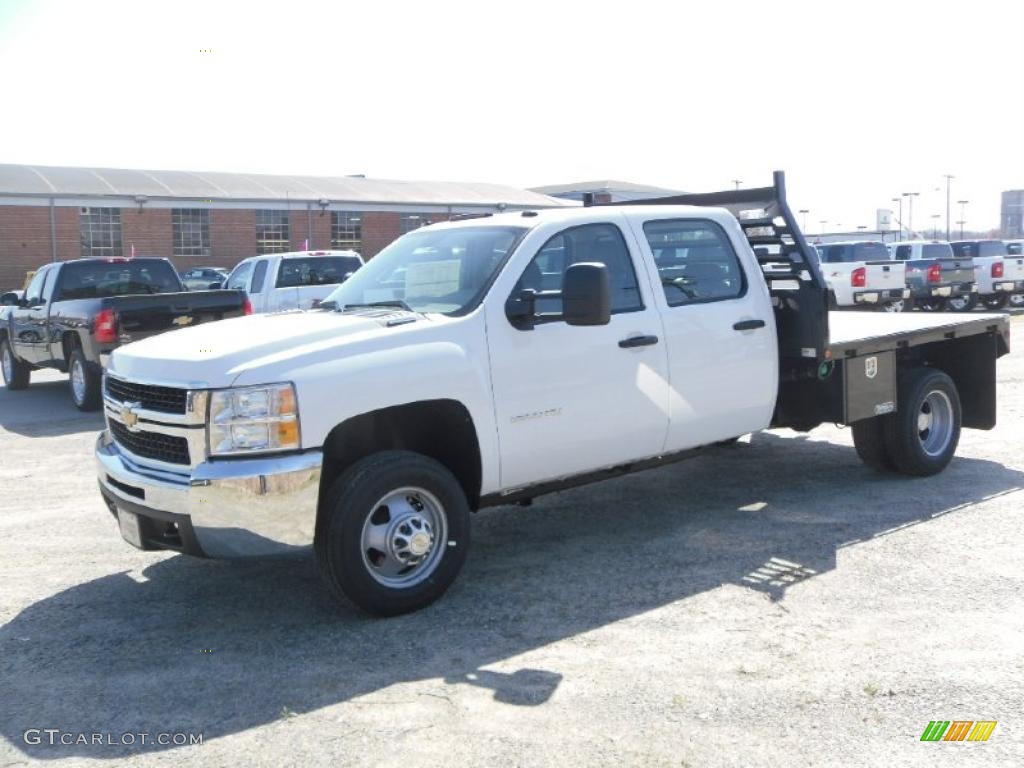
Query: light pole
{"points": [[935, 224], [805, 211], [737, 182], [910, 212], [949, 178], [823, 222], [963, 215], [900, 201]]}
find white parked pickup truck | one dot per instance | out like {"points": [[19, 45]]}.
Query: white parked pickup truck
{"points": [[488, 361], [863, 273], [998, 275], [299, 280]]}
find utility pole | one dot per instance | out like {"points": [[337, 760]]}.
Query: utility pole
{"points": [[963, 215], [737, 182], [823, 222], [910, 213], [900, 201], [949, 178], [805, 211], [935, 224]]}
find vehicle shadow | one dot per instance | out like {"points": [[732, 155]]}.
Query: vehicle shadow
{"points": [[220, 647], [45, 410]]}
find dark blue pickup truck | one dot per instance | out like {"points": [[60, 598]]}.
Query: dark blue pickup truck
{"points": [[74, 313]]}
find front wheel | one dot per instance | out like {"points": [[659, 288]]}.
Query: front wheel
{"points": [[16, 372], [921, 437], [395, 533], [963, 303], [84, 379], [996, 301]]}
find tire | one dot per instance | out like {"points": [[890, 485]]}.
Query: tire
{"points": [[898, 305], [963, 303], [995, 301], [84, 381], [1016, 300], [925, 396], [932, 304], [869, 440], [355, 570], [16, 372]]}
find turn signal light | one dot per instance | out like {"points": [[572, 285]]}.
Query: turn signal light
{"points": [[997, 269], [105, 326], [935, 273], [859, 277]]}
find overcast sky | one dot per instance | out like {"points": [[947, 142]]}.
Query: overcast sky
{"points": [[857, 101]]}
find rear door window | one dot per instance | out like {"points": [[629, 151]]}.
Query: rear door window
{"points": [[315, 270], [695, 260]]}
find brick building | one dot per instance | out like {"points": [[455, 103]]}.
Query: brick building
{"points": [[53, 214]]}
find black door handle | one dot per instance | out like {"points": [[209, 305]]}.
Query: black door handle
{"points": [[747, 325], [638, 341]]}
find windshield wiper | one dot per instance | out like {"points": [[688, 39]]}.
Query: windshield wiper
{"points": [[389, 303]]}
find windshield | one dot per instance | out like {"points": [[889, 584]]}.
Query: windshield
{"points": [[102, 279], [936, 251], [439, 270], [849, 252]]}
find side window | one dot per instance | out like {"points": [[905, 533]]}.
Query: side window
{"points": [[238, 280], [902, 252], [34, 292], [695, 260], [601, 243], [258, 273]]}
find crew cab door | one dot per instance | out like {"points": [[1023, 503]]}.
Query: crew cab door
{"points": [[572, 399], [719, 329], [29, 333]]}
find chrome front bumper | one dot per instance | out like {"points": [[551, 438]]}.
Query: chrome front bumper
{"points": [[234, 507]]}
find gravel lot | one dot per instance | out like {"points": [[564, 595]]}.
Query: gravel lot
{"points": [[773, 603]]}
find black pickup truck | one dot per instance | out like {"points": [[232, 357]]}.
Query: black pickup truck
{"points": [[74, 313]]}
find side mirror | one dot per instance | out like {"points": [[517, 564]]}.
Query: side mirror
{"points": [[10, 299], [586, 295]]}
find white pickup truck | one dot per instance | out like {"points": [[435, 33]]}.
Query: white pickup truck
{"points": [[998, 275], [298, 280], [863, 273], [488, 361]]}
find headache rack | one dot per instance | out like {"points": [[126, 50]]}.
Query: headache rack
{"points": [[799, 293]]}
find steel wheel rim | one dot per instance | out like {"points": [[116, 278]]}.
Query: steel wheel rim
{"points": [[403, 537], [78, 381], [958, 303], [8, 364], [894, 306], [1017, 299], [935, 423]]}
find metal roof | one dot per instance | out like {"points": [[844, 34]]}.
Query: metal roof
{"points": [[47, 181], [606, 185]]}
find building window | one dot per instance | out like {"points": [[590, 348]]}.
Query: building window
{"points": [[101, 232], [346, 231], [410, 221], [272, 232], [191, 228]]}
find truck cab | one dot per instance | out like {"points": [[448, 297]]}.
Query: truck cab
{"points": [[863, 274], [299, 280]]}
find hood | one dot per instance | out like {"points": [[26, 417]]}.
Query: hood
{"points": [[215, 354]]}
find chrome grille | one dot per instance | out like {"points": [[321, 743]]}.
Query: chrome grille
{"points": [[149, 396], [152, 445]]}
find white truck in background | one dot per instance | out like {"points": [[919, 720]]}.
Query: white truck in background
{"points": [[998, 275], [298, 280], [863, 274]]}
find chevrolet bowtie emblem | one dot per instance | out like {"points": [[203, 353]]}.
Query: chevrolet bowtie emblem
{"points": [[129, 416]]}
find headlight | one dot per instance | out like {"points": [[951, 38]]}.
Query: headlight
{"points": [[253, 420]]}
